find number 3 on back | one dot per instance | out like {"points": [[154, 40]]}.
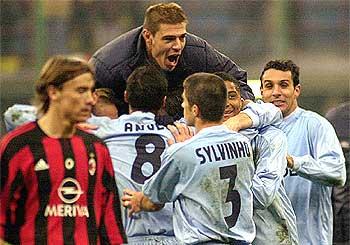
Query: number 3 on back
{"points": [[230, 172]]}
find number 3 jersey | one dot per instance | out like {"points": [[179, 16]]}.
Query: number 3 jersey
{"points": [[209, 179], [136, 144]]}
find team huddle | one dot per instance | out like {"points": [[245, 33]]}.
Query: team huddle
{"points": [[170, 149]]}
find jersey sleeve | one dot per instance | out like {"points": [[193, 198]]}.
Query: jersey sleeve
{"points": [[112, 230], [163, 186], [327, 164], [263, 114], [270, 161], [104, 127], [12, 181]]}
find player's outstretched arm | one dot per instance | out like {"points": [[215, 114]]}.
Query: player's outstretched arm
{"points": [[137, 202], [238, 122]]}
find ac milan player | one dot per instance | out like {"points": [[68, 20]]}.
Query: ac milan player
{"points": [[57, 183]]}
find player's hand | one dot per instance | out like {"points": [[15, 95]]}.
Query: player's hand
{"points": [[87, 126], [132, 200], [181, 132], [290, 162]]}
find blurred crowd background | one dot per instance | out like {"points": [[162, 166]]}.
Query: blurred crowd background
{"points": [[313, 33]]}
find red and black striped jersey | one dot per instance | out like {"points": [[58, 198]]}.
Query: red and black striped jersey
{"points": [[57, 191]]}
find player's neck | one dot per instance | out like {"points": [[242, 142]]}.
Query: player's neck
{"points": [[200, 124], [56, 127]]}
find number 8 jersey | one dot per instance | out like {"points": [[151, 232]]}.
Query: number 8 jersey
{"points": [[136, 144], [209, 179]]}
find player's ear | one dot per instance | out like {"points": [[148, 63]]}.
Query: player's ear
{"points": [[52, 92], [297, 90], [126, 96], [147, 35], [195, 110]]}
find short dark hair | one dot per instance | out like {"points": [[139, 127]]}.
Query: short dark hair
{"points": [[209, 93], [108, 95], [173, 103], [228, 77], [283, 65], [163, 13], [146, 87], [57, 70]]}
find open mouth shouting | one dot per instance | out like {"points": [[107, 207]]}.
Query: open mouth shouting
{"points": [[171, 61]]}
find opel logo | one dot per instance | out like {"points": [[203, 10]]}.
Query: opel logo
{"points": [[69, 191]]}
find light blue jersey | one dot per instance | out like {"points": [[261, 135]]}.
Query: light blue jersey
{"points": [[273, 213], [209, 179], [136, 144], [318, 165], [19, 114], [263, 114]]}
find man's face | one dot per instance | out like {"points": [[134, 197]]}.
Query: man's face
{"points": [[166, 45], [188, 115], [277, 88], [75, 100], [234, 101]]}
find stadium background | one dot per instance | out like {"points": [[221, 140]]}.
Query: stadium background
{"points": [[314, 34]]}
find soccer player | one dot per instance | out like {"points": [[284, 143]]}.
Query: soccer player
{"points": [[208, 177], [316, 161], [162, 40], [136, 143], [57, 183], [273, 213]]}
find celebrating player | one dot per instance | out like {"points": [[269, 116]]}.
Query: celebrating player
{"points": [[162, 40], [273, 213], [136, 143], [208, 177], [316, 160]]}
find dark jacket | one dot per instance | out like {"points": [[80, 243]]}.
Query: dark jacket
{"points": [[115, 61]]}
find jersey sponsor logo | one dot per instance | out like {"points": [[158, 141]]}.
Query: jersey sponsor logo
{"points": [[69, 192], [64, 210], [41, 165]]}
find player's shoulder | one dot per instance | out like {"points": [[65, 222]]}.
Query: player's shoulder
{"points": [[194, 41], [314, 119], [19, 137], [120, 49], [271, 132], [88, 137]]}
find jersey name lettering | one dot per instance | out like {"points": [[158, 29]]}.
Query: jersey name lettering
{"points": [[219, 152], [129, 127]]}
